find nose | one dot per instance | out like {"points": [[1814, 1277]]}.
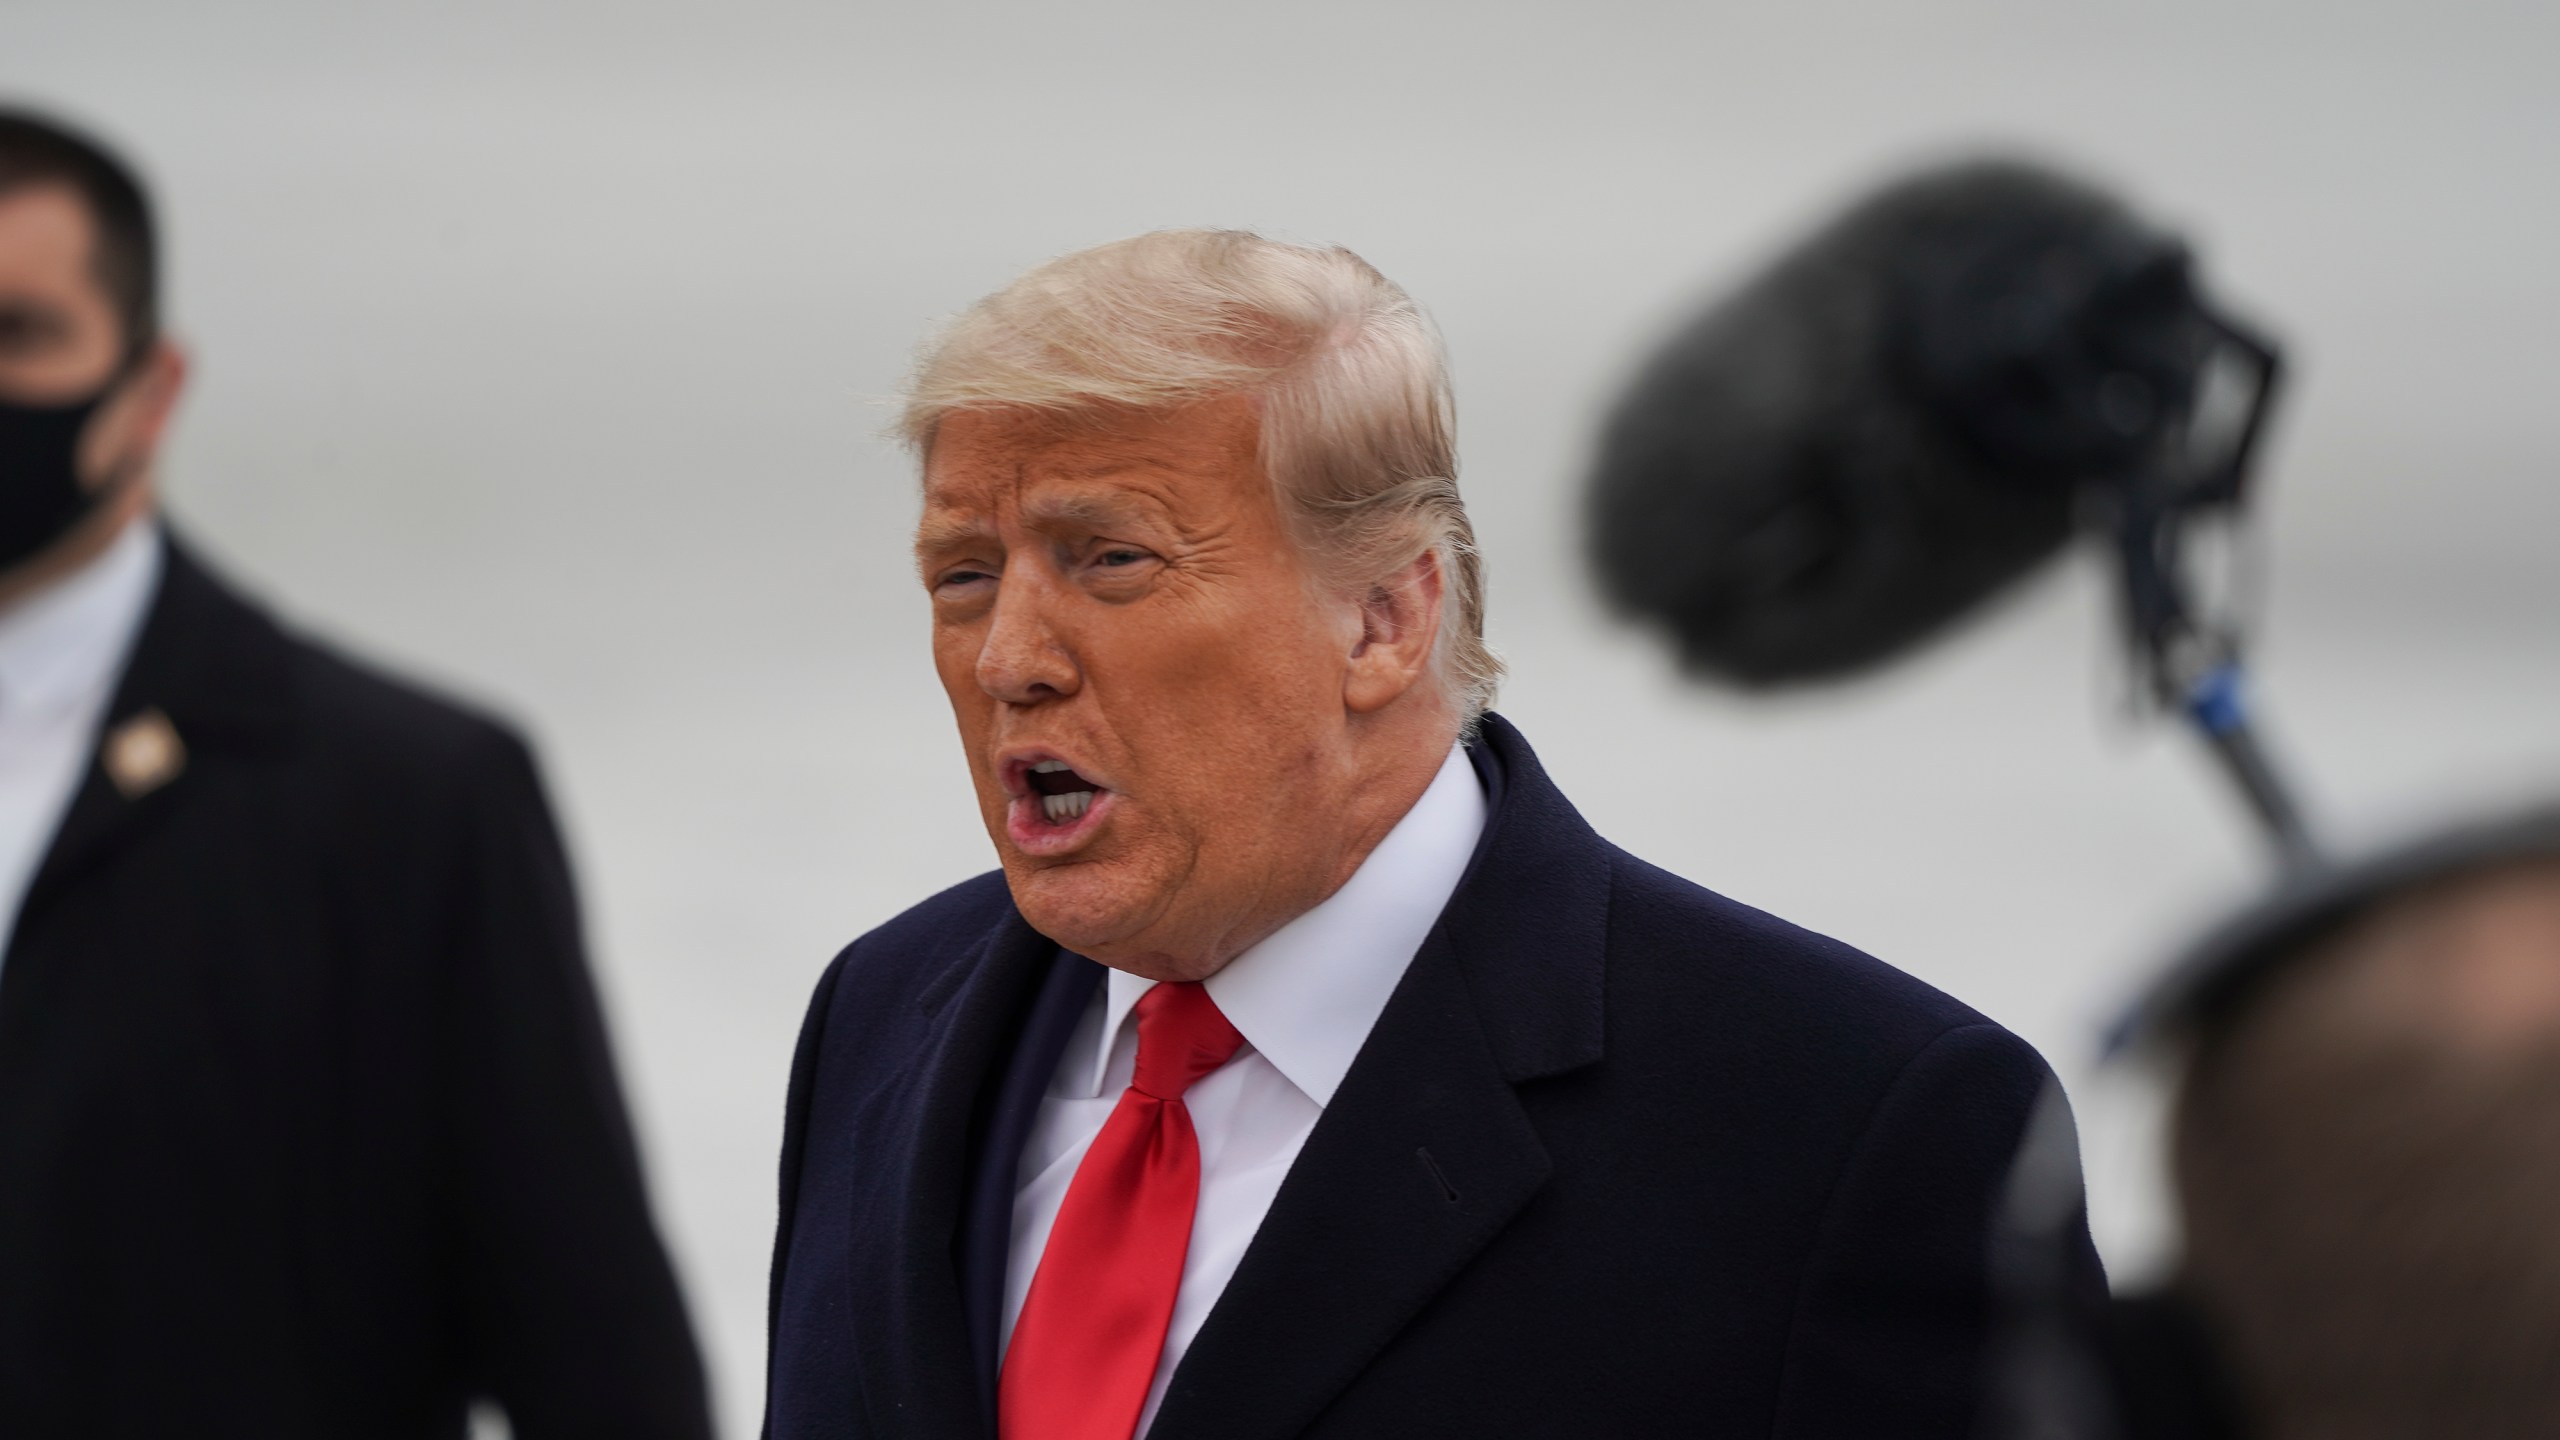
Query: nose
{"points": [[1024, 659]]}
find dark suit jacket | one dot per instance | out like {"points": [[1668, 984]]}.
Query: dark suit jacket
{"points": [[1622, 1157], [2170, 1379], [307, 1123]]}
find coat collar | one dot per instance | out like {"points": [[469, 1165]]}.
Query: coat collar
{"points": [[210, 674], [215, 663], [1529, 921], [1426, 1153]]}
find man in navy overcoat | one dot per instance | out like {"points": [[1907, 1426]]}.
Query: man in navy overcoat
{"points": [[1312, 1068]]}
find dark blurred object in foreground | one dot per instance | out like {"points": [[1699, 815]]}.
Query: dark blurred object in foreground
{"points": [[1896, 421], [308, 1124], [1917, 407], [2367, 1149]]}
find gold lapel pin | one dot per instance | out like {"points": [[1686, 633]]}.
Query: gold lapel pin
{"points": [[143, 754]]}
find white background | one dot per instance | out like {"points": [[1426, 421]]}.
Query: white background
{"points": [[541, 351]]}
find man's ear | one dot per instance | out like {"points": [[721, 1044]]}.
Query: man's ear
{"points": [[162, 379], [1399, 625], [125, 438]]}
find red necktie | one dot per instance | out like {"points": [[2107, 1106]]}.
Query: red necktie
{"points": [[1085, 1347]]}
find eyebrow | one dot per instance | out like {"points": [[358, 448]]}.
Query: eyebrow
{"points": [[1097, 511], [936, 533]]}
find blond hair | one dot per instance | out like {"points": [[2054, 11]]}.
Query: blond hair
{"points": [[1359, 433]]}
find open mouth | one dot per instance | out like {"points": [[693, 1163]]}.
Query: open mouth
{"points": [[1063, 794], [1053, 809]]}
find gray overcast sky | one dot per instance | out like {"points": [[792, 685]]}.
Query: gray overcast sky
{"points": [[541, 348]]}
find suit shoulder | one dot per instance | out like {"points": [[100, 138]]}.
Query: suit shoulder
{"points": [[1838, 1069], [966, 907], [878, 978], [1684, 942], [335, 707], [393, 722], [914, 945]]}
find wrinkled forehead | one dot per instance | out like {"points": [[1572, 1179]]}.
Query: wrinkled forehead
{"points": [[996, 467]]}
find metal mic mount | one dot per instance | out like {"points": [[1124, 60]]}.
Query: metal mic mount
{"points": [[2188, 660]]}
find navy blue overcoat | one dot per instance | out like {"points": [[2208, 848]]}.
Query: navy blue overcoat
{"points": [[1622, 1157]]}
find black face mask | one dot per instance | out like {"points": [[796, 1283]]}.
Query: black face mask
{"points": [[41, 497]]}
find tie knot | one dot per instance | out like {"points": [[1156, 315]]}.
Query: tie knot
{"points": [[1181, 1037]]}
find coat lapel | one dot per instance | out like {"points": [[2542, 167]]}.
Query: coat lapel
{"points": [[1426, 1152], [209, 675], [905, 1278]]}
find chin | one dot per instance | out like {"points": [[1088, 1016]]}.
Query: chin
{"points": [[1082, 906]]}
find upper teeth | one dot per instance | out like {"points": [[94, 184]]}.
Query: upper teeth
{"points": [[1050, 767]]}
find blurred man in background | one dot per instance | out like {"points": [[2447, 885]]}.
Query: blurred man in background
{"points": [[2367, 1153], [307, 1121]]}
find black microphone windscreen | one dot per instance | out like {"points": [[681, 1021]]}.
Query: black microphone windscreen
{"points": [[1889, 424]]}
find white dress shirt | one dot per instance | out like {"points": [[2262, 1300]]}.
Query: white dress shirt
{"points": [[1304, 1000], [61, 652]]}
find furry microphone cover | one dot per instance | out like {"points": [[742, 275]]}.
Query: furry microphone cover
{"points": [[1889, 424]]}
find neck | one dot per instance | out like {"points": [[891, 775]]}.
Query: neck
{"points": [[1400, 768]]}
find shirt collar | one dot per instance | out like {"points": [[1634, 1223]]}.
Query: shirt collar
{"points": [[1307, 996], [65, 643]]}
